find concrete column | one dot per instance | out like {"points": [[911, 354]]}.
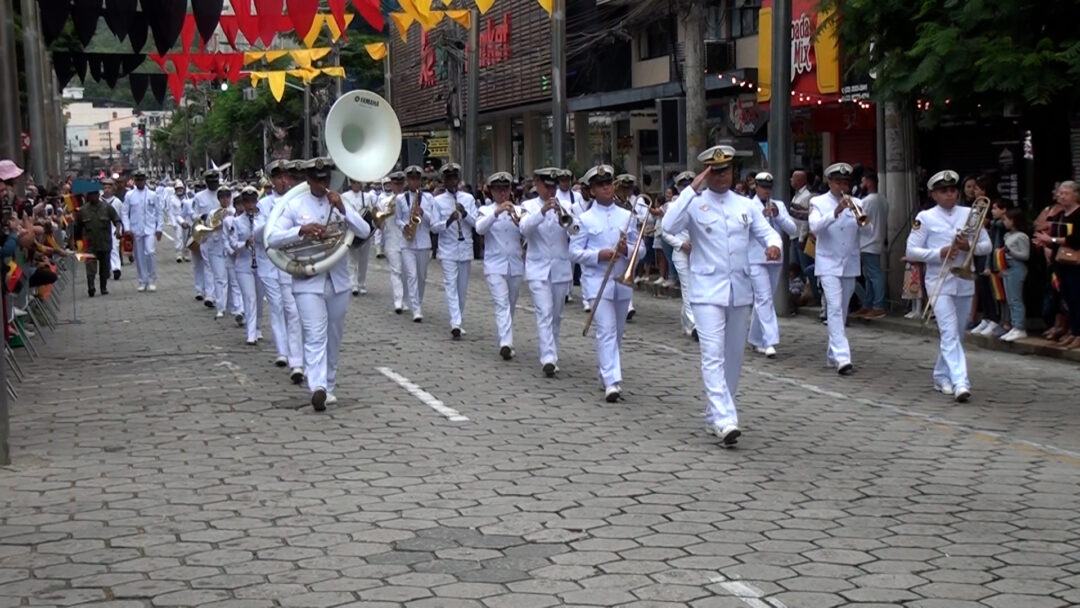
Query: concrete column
{"points": [[582, 153], [501, 154]]}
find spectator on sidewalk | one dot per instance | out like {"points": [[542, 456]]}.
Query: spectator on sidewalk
{"points": [[989, 311], [871, 246], [1063, 239], [1017, 253], [1055, 318]]}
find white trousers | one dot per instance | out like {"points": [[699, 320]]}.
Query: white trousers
{"points": [[414, 268], [764, 328], [682, 265], [251, 290], [323, 318], [609, 318], [456, 283], [204, 281], [114, 255], [548, 300], [951, 363], [838, 292], [145, 258], [358, 265], [236, 298], [721, 333], [268, 279], [181, 246], [220, 271], [292, 321], [504, 294], [393, 260]]}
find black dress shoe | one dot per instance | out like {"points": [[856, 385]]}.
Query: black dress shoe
{"points": [[455, 332], [90, 292], [549, 370], [846, 369], [318, 400], [199, 298], [208, 304], [630, 314], [116, 275], [104, 291], [397, 311]]}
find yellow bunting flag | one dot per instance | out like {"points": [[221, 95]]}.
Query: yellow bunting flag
{"points": [[252, 57], [334, 70], [546, 5], [461, 17], [402, 21], [377, 50], [277, 84], [272, 56], [331, 25], [305, 74], [303, 58], [312, 35], [256, 77], [484, 5], [447, 2]]}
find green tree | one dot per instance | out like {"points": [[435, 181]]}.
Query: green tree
{"points": [[970, 57]]}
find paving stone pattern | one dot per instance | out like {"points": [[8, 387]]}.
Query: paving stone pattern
{"points": [[160, 462]]}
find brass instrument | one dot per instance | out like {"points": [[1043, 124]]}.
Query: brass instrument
{"points": [[972, 227], [627, 277], [860, 218], [461, 213], [202, 231], [607, 275], [380, 217], [414, 218]]}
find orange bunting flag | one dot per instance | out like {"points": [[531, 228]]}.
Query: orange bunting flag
{"points": [[461, 17], [377, 50], [402, 21], [546, 5], [484, 5]]}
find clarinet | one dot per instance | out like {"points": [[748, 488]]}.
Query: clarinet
{"points": [[251, 241]]}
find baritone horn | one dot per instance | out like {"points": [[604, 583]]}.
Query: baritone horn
{"points": [[363, 138]]}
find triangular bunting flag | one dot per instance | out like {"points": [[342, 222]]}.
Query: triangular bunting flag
{"points": [[110, 68], [176, 85], [268, 12], [207, 14], [166, 19], [312, 35], [54, 14], [63, 67], [337, 11], [377, 50], [546, 5], [229, 26], [131, 61], [402, 21], [461, 17], [302, 13], [331, 25], [187, 33], [138, 84], [137, 32], [371, 11], [158, 84], [484, 5], [235, 67], [336, 71], [118, 16], [78, 62], [84, 14], [158, 59], [253, 56], [181, 63], [277, 84]]}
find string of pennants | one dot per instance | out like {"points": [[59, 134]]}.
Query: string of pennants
{"points": [[420, 11], [166, 19]]}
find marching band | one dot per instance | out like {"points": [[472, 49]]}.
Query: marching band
{"points": [[726, 248]]}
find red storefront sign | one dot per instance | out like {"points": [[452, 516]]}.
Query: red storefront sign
{"points": [[495, 42]]}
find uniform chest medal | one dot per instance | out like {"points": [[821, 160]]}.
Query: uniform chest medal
{"points": [[745, 220]]}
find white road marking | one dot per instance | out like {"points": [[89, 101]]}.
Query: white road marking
{"points": [[165, 234], [427, 398], [1045, 447], [241, 377], [747, 593]]}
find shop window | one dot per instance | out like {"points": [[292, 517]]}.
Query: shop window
{"points": [[744, 20], [655, 41]]}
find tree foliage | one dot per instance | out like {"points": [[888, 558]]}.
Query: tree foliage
{"points": [[963, 54]]}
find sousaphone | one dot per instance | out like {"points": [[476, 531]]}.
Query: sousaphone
{"points": [[363, 137]]}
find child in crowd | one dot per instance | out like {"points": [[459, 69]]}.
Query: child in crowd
{"points": [[1017, 247], [913, 288]]}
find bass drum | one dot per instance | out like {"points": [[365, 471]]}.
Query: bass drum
{"points": [[310, 265]]}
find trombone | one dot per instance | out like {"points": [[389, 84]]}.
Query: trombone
{"points": [[610, 267], [974, 224]]}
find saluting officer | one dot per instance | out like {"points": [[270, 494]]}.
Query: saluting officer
{"points": [[547, 261], [503, 259], [601, 234], [454, 223], [938, 239], [836, 258], [721, 225], [765, 273]]}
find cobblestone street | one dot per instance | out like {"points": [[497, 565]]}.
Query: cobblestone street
{"points": [[159, 461]]}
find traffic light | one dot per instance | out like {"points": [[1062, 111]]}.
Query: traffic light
{"points": [[117, 147], [181, 163]]}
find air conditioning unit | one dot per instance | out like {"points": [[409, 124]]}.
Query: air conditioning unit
{"points": [[719, 56]]}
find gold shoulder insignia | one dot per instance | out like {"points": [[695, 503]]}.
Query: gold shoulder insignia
{"points": [[916, 225]]}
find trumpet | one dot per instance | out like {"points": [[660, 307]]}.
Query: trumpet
{"points": [[380, 217], [414, 219], [860, 217], [566, 219], [974, 224]]}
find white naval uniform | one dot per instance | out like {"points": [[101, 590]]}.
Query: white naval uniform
{"points": [[721, 229], [504, 264], [681, 260], [575, 203], [549, 272], [284, 316], [235, 295], [114, 255], [392, 243], [765, 277], [204, 203], [323, 299], [213, 249], [416, 254], [361, 249], [238, 229], [179, 211], [934, 229], [836, 266], [455, 249], [600, 228], [143, 217]]}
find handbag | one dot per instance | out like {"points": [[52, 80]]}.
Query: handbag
{"points": [[1068, 256]]}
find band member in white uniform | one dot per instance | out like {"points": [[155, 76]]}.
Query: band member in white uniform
{"points": [[362, 202], [937, 240], [566, 194], [624, 190], [236, 296], [204, 203], [765, 273], [392, 239], [722, 225], [836, 258], [454, 222], [240, 236], [143, 217], [324, 298], [213, 249], [504, 261], [547, 262], [416, 254], [284, 323], [604, 232], [179, 213], [110, 198]]}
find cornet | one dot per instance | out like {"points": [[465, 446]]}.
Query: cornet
{"points": [[860, 218]]}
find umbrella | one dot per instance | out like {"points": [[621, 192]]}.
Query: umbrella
{"points": [[82, 186]]}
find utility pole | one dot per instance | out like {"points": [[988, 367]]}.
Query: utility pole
{"points": [[558, 82], [10, 120], [780, 122], [306, 149], [387, 75], [472, 115], [39, 165], [694, 84]]}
